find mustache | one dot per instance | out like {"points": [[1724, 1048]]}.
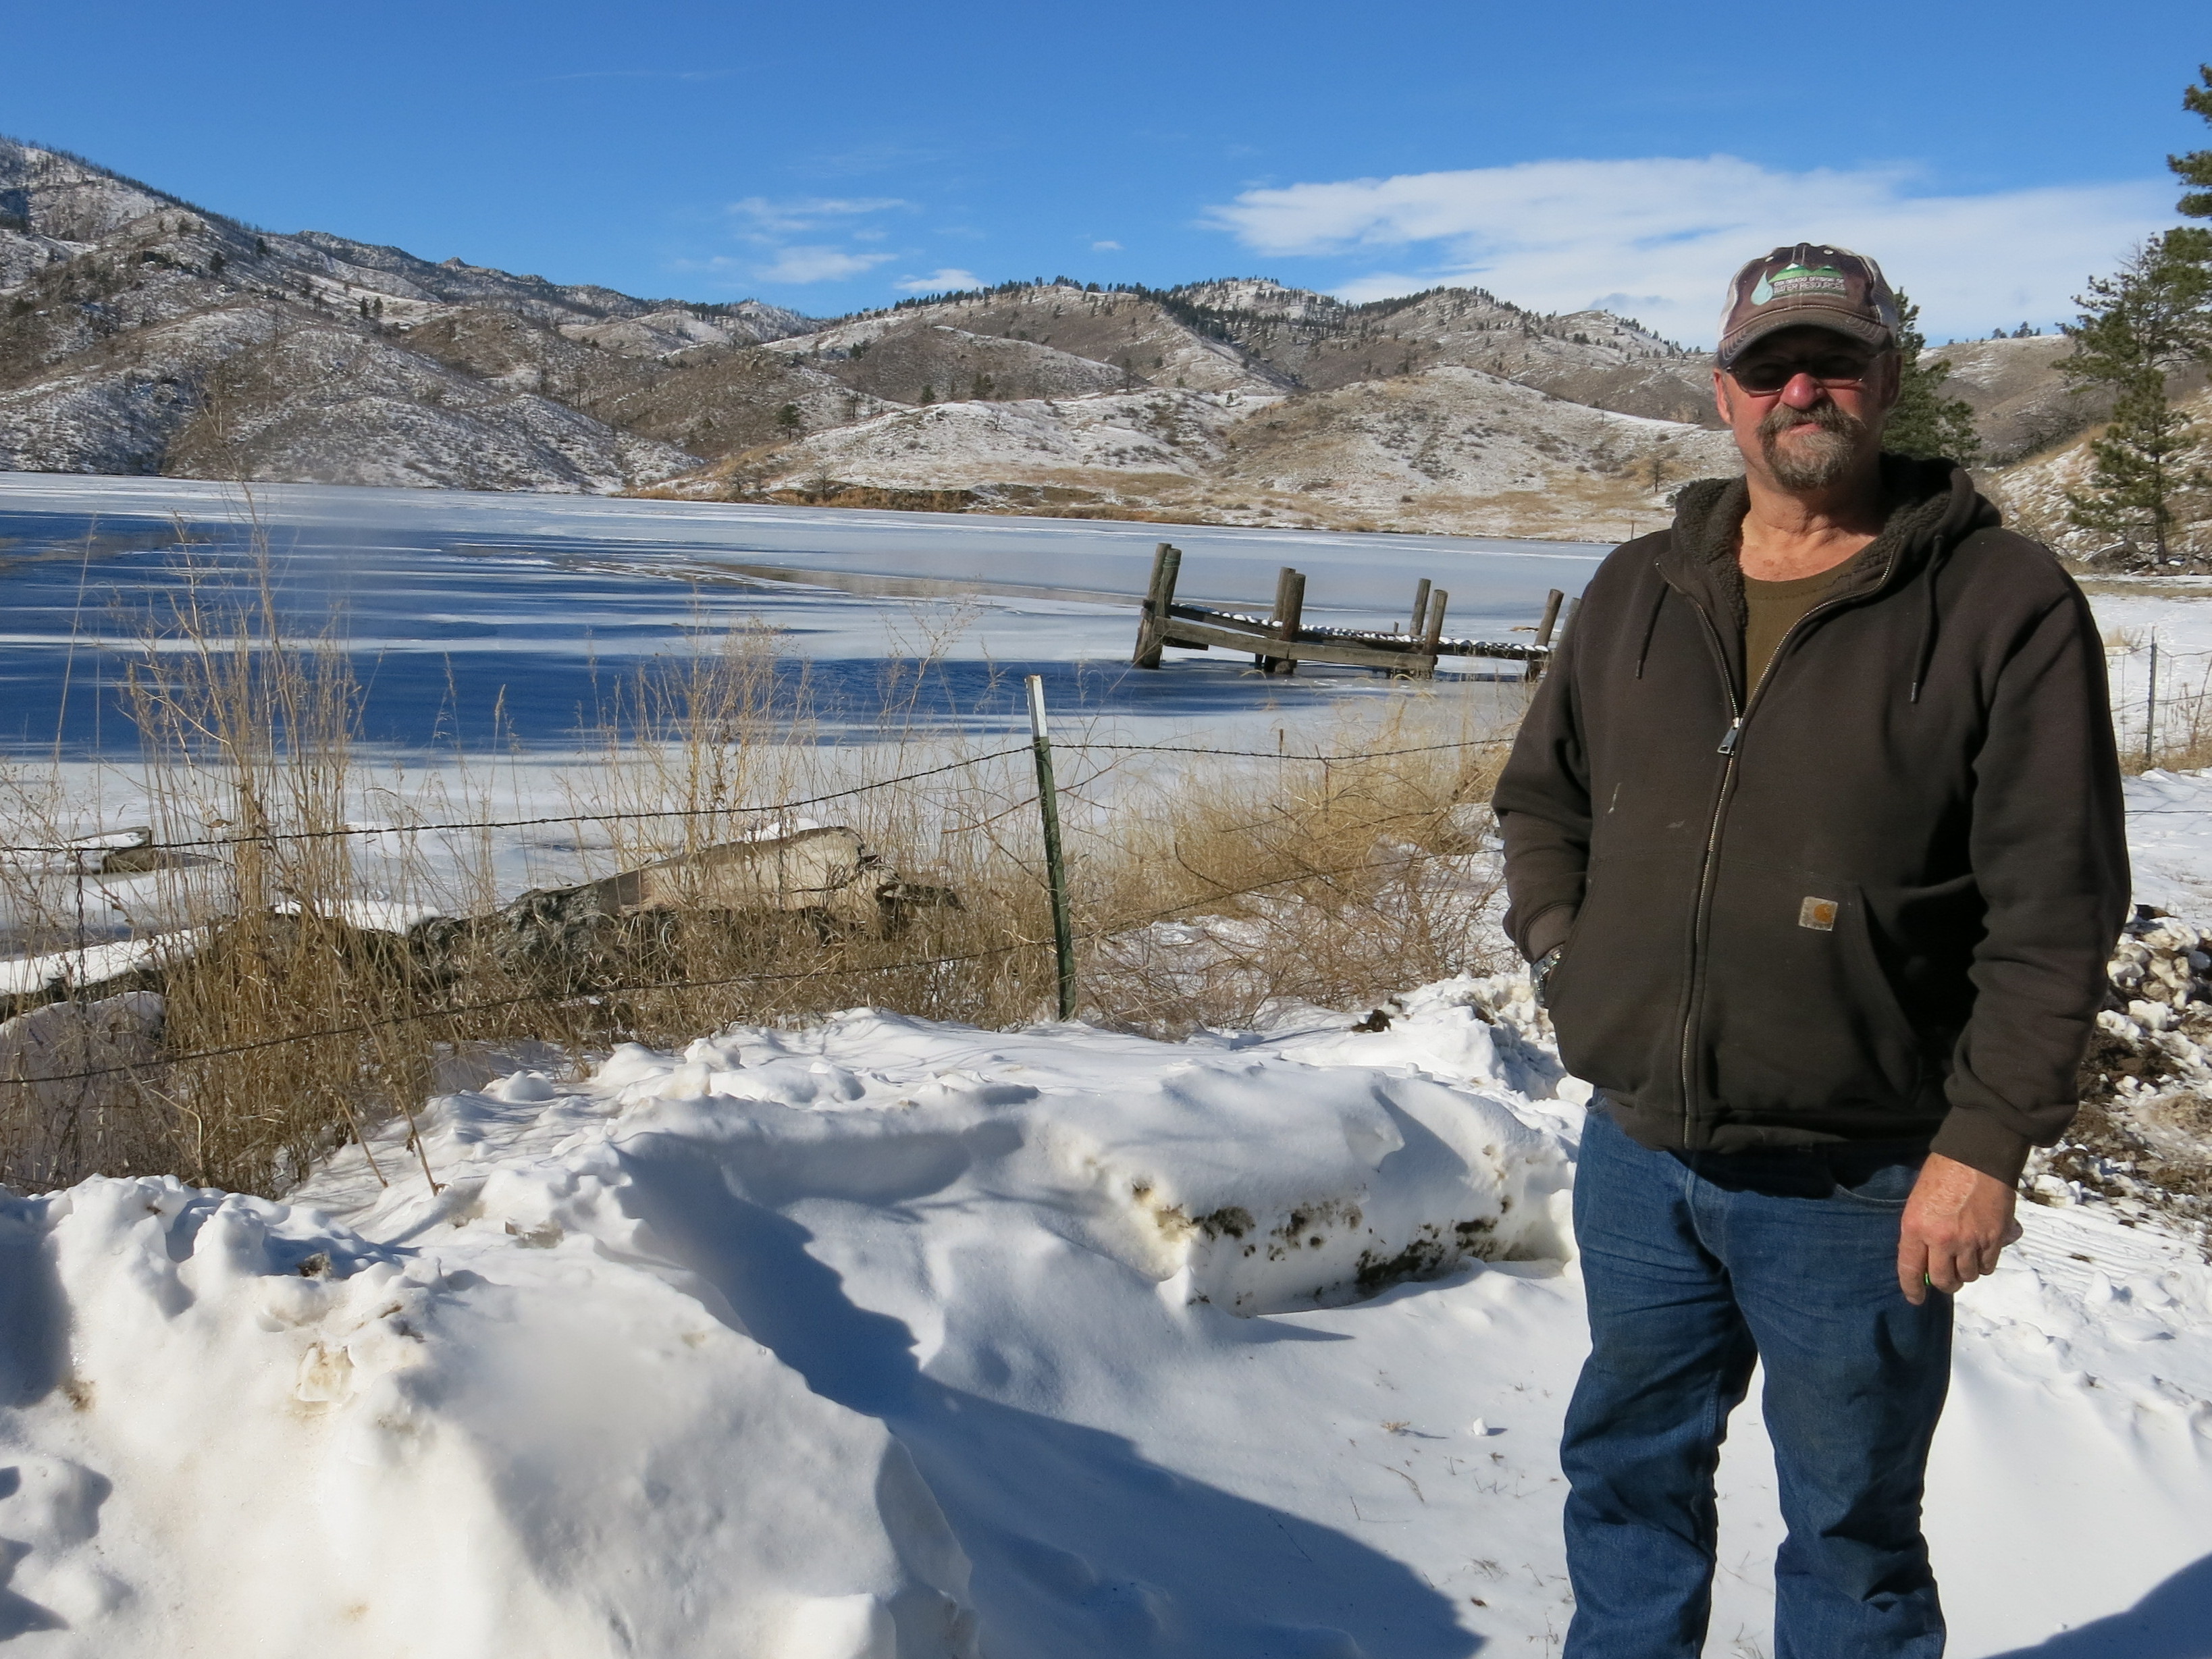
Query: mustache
{"points": [[1826, 416]]}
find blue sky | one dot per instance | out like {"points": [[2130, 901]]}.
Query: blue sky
{"points": [[836, 155]]}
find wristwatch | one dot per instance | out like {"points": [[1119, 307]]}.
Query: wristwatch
{"points": [[1540, 975]]}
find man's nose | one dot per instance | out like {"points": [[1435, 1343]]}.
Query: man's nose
{"points": [[1802, 391]]}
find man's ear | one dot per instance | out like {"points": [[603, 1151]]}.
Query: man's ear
{"points": [[1892, 383], [1721, 398]]}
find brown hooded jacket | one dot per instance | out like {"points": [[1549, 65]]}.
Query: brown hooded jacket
{"points": [[1871, 898]]}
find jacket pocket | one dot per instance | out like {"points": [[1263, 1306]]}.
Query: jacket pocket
{"points": [[1799, 1022], [1616, 994]]}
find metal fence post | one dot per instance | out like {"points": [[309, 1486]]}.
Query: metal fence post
{"points": [[2150, 711], [1063, 935]]}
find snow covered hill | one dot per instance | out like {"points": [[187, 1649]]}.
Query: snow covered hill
{"points": [[139, 333], [1591, 357], [1136, 336], [2033, 491], [2021, 405], [890, 1339], [1448, 449]]}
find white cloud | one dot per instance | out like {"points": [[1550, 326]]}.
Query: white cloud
{"points": [[1105, 247], [1658, 238], [948, 279], [765, 224], [810, 213], [816, 264]]}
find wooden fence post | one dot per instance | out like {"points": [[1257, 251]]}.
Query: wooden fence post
{"points": [[1289, 609], [1152, 626], [1420, 610]]}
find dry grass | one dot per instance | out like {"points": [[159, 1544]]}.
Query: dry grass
{"points": [[2183, 742], [1330, 883], [1335, 882]]}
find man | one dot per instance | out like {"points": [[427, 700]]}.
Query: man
{"points": [[1814, 834]]}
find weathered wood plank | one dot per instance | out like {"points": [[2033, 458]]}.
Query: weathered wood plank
{"points": [[1188, 634]]}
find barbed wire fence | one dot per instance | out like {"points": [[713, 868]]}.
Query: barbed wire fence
{"points": [[81, 985], [2161, 699]]}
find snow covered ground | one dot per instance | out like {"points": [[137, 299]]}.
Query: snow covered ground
{"points": [[885, 1338]]}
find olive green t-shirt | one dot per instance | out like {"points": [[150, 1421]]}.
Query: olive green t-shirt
{"points": [[1772, 610]]}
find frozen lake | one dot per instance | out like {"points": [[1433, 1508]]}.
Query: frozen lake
{"points": [[455, 604]]}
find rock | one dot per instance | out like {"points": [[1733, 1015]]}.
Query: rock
{"points": [[830, 870], [626, 926]]}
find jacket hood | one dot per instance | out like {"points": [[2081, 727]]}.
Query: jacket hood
{"points": [[1932, 506]]}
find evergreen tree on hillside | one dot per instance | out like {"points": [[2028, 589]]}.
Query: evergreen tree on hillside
{"points": [[2136, 328], [2195, 168], [1925, 422]]}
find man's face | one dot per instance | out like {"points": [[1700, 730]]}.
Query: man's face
{"points": [[1806, 405]]}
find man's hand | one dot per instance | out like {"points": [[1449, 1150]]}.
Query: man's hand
{"points": [[1957, 1222]]}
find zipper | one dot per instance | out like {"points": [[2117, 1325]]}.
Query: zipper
{"points": [[1738, 714], [1697, 916]]}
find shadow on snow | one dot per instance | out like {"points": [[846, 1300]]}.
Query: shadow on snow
{"points": [[1081, 1545]]}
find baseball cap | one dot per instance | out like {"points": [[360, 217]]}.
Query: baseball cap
{"points": [[1809, 285]]}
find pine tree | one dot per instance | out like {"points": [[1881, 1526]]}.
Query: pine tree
{"points": [[2136, 328], [2195, 168], [1925, 423]]}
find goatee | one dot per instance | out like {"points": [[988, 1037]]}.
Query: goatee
{"points": [[1816, 459]]}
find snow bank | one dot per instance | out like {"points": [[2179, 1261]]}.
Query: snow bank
{"points": [[597, 1395], [885, 1338], [257, 1431]]}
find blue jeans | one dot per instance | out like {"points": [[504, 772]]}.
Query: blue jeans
{"points": [[1697, 1265]]}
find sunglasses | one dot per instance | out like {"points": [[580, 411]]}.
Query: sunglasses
{"points": [[1763, 377]]}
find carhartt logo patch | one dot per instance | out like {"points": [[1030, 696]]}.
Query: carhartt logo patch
{"points": [[1819, 915]]}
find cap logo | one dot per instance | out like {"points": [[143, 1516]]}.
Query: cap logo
{"points": [[1793, 281], [1819, 915]]}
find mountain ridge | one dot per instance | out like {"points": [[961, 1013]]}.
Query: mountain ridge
{"points": [[142, 333]]}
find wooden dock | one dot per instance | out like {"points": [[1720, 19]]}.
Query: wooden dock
{"points": [[1280, 642]]}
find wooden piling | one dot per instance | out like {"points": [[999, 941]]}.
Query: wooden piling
{"points": [[1536, 668], [1550, 614], [1433, 631], [1290, 610], [1420, 610], [1280, 642], [1160, 599]]}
